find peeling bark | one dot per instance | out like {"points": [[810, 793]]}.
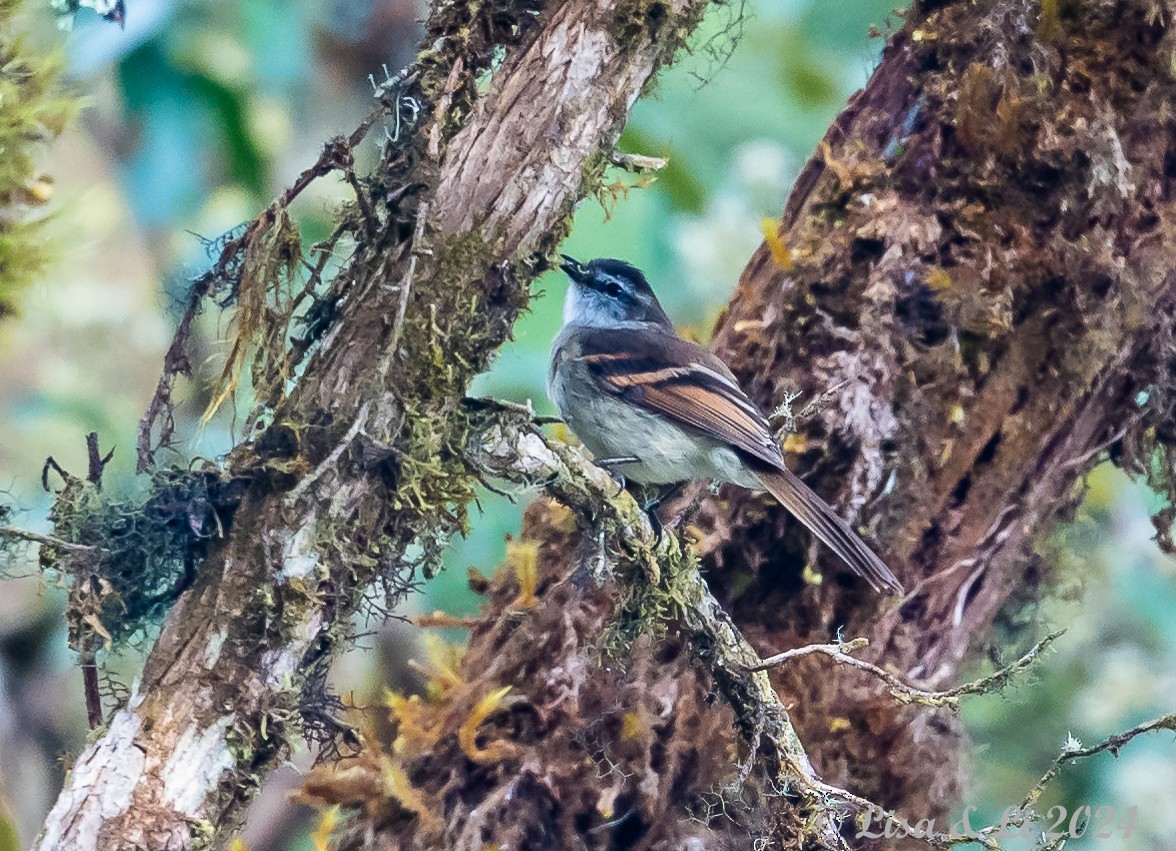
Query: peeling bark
{"points": [[364, 458], [979, 259]]}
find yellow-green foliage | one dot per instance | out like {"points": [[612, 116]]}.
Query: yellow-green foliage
{"points": [[32, 111], [9, 841]]}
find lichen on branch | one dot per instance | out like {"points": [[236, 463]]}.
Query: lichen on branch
{"points": [[353, 473]]}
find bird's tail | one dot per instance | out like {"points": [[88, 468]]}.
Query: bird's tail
{"points": [[824, 522]]}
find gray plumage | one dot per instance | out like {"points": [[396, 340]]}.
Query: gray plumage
{"points": [[630, 387]]}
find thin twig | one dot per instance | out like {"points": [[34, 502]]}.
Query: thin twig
{"points": [[406, 282], [371, 223], [97, 461], [45, 540], [90, 689], [1071, 751], [1111, 743], [442, 620], [332, 458], [903, 692], [337, 154], [637, 163]]}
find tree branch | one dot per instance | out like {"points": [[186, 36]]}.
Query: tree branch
{"points": [[904, 692], [45, 540], [470, 200]]}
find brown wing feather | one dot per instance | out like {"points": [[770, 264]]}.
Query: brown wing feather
{"points": [[713, 413], [687, 384], [683, 382]]}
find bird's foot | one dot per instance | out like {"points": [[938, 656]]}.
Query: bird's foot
{"points": [[655, 497], [609, 465]]}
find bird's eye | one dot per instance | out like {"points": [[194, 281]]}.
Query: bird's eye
{"points": [[612, 289]]}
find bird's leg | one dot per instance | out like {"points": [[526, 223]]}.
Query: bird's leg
{"points": [[660, 495], [663, 494], [608, 464]]}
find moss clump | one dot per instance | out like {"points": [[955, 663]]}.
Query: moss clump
{"points": [[635, 19], [477, 35], [637, 23], [264, 295], [648, 605], [32, 111], [142, 552]]}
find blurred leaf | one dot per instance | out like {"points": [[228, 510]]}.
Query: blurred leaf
{"points": [[811, 86], [326, 826], [675, 181], [180, 115]]}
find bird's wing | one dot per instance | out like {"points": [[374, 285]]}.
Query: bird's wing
{"points": [[685, 383], [682, 382]]}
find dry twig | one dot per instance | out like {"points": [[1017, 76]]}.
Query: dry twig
{"points": [[903, 692]]}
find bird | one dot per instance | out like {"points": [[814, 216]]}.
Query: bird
{"points": [[658, 409]]}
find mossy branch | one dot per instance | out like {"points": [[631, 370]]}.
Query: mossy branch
{"points": [[354, 475], [14, 533], [505, 445]]}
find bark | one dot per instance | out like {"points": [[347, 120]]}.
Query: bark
{"points": [[363, 458], [983, 249], [978, 262], [980, 248]]}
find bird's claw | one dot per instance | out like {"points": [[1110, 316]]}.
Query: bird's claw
{"points": [[608, 465]]}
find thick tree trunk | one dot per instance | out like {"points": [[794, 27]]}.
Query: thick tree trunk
{"points": [[978, 262], [364, 458], [983, 251], [980, 252]]}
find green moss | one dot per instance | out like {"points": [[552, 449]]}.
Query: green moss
{"points": [[203, 836], [636, 20], [593, 172], [476, 35], [249, 749], [637, 23], [651, 599], [33, 110]]}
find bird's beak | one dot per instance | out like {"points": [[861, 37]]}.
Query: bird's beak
{"points": [[574, 269]]}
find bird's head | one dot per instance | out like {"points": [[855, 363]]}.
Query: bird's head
{"points": [[608, 293]]}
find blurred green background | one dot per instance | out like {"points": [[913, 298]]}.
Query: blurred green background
{"points": [[199, 112]]}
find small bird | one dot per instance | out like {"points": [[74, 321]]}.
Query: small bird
{"points": [[662, 410]]}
